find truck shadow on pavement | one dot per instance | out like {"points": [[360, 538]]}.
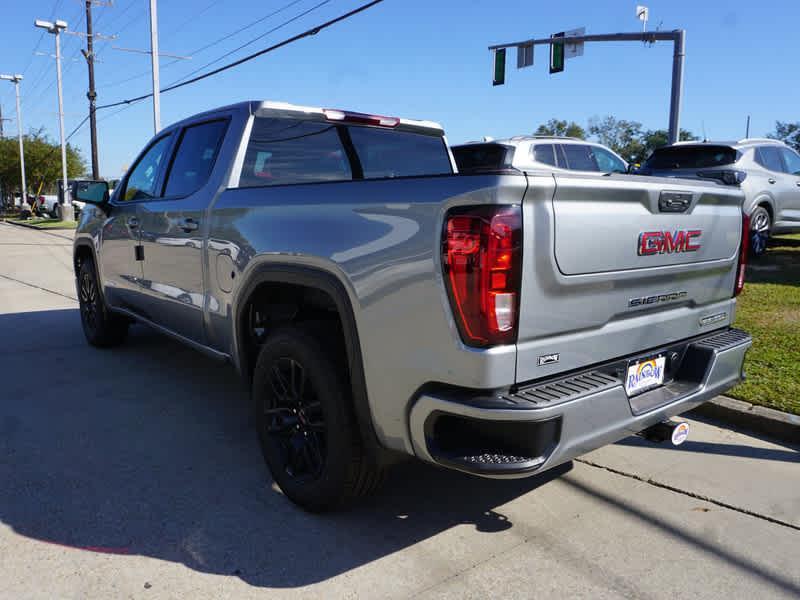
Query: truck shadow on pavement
{"points": [[149, 450]]}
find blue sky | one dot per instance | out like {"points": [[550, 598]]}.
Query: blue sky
{"points": [[414, 58]]}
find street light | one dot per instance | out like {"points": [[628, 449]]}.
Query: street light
{"points": [[15, 79], [56, 28]]}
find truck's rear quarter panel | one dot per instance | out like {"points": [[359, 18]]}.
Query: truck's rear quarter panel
{"points": [[382, 239]]}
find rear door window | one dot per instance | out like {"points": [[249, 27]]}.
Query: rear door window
{"points": [[691, 157], [544, 153], [769, 157], [290, 151], [578, 157], [388, 153], [195, 157]]}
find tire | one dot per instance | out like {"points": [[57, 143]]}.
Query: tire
{"points": [[101, 327], [306, 423], [760, 226], [57, 211]]}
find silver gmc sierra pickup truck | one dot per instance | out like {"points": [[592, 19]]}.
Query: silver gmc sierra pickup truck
{"points": [[377, 303]]}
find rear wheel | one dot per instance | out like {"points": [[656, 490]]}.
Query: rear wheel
{"points": [[760, 225], [306, 424], [101, 327]]}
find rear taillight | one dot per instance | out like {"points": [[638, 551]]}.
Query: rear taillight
{"points": [[744, 250], [482, 256], [728, 177]]}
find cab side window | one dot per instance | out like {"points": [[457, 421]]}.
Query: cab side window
{"points": [[141, 184]]}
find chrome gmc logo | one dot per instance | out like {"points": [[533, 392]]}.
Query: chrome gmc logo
{"points": [[668, 242]]}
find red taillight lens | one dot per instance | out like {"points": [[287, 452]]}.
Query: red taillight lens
{"points": [[482, 256], [744, 250]]}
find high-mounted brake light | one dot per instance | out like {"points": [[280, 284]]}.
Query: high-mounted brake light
{"points": [[482, 256], [360, 118], [744, 250]]}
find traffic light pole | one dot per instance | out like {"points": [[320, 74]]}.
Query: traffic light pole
{"points": [[677, 37]]}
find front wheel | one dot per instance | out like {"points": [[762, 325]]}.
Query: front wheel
{"points": [[306, 423], [101, 327], [760, 225]]}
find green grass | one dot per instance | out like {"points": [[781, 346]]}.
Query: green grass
{"points": [[769, 308], [46, 223]]}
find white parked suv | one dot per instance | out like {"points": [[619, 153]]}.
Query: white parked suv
{"points": [[550, 153], [767, 170]]}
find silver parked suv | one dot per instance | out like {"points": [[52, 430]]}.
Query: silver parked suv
{"points": [[767, 170], [549, 153]]}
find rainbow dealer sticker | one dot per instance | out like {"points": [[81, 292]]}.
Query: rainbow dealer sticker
{"points": [[644, 375]]}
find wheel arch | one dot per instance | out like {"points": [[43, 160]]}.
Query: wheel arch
{"points": [[328, 283], [767, 201]]}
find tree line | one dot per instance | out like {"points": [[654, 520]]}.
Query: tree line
{"points": [[42, 163], [634, 143]]}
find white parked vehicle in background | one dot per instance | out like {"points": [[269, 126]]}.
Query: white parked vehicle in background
{"points": [[550, 153]]}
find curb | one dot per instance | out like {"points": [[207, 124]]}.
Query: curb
{"points": [[749, 417], [35, 228]]}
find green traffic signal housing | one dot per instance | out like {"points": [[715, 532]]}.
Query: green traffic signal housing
{"points": [[557, 54], [499, 67]]}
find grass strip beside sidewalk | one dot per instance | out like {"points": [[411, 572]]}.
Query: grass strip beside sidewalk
{"points": [[769, 309]]}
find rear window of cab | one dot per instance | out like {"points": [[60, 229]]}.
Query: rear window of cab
{"points": [[293, 151]]}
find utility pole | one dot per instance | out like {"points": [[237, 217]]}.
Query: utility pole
{"points": [[677, 37], [88, 54], [154, 62], [15, 79], [56, 28]]}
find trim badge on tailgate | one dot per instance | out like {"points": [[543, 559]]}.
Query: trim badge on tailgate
{"points": [[645, 300]]}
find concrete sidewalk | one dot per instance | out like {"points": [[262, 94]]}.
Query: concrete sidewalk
{"points": [[135, 473]]}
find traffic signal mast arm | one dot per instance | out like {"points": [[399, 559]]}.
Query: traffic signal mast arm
{"points": [[676, 36]]}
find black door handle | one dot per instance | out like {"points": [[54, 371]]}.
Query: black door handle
{"points": [[771, 180]]}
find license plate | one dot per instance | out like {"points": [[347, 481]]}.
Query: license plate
{"points": [[644, 375]]}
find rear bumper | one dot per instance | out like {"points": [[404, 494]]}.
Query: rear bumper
{"points": [[530, 429]]}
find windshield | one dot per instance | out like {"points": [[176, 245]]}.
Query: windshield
{"points": [[691, 157]]}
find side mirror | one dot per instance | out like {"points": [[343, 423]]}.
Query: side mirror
{"points": [[633, 167], [92, 192]]}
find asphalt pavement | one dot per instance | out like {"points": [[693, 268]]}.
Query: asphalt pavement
{"points": [[135, 473]]}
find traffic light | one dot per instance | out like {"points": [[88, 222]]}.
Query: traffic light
{"points": [[557, 54], [499, 67]]}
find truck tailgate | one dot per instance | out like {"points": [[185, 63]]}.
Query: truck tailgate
{"points": [[614, 265], [606, 224]]}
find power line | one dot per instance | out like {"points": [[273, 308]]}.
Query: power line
{"points": [[255, 39], [236, 63], [207, 46]]}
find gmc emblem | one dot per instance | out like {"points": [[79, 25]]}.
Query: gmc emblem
{"points": [[668, 242]]}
